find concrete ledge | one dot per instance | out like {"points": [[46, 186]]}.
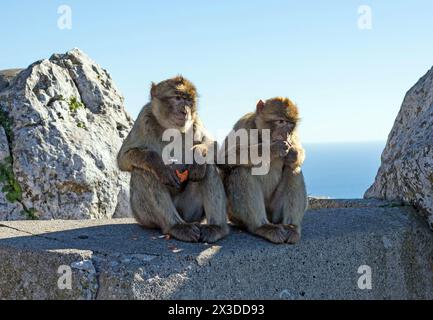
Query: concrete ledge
{"points": [[325, 203], [116, 259]]}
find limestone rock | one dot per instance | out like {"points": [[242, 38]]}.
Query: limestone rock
{"points": [[8, 210], [406, 172], [6, 76], [66, 123]]}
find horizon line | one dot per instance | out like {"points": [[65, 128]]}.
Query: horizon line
{"points": [[344, 141]]}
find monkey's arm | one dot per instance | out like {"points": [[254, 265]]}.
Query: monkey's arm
{"points": [[202, 139], [132, 153], [139, 158], [149, 160], [244, 155], [296, 155], [203, 142], [295, 158], [137, 153]]}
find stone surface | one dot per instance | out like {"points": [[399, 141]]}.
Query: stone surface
{"points": [[406, 172], [323, 203], [118, 259], [67, 125], [8, 210], [6, 76]]}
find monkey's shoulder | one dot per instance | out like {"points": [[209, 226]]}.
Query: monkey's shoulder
{"points": [[146, 120], [247, 121], [145, 113]]}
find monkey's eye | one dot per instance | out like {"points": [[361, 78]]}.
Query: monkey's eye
{"points": [[177, 98], [280, 123]]}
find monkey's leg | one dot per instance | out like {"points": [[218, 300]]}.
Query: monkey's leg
{"points": [[289, 203], [214, 202], [189, 203], [153, 207], [247, 206]]}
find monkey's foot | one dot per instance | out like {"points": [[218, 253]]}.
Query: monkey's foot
{"points": [[189, 232], [212, 233], [294, 235], [274, 233]]}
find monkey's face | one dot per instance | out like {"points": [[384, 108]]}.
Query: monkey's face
{"points": [[174, 103], [281, 129], [180, 108], [280, 116]]}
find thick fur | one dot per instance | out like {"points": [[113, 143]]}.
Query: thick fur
{"points": [[157, 198], [271, 206]]}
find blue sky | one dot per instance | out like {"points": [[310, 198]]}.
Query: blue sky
{"points": [[348, 83]]}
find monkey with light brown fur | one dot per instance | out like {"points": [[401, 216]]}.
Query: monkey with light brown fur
{"points": [[271, 206], [159, 199]]}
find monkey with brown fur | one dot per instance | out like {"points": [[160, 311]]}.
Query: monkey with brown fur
{"points": [[271, 206], [159, 199]]}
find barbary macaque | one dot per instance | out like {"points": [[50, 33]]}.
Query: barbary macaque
{"points": [[173, 196], [270, 205]]}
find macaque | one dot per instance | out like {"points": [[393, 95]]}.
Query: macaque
{"points": [[173, 197], [271, 205]]}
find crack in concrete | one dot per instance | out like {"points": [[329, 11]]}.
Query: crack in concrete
{"points": [[29, 233]]}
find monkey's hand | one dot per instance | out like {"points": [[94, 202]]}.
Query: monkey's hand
{"points": [[167, 175], [279, 149], [294, 158], [200, 149], [197, 172]]}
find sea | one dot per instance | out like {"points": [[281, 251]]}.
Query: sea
{"points": [[341, 170]]}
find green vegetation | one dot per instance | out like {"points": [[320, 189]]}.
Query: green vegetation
{"points": [[74, 104], [6, 123], [11, 188], [30, 213], [81, 125]]}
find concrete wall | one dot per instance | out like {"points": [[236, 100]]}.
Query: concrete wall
{"points": [[116, 259]]}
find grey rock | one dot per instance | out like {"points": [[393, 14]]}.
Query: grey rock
{"points": [[6, 77], [322, 203], [84, 265], [406, 172], [4, 146], [133, 263], [8, 210], [68, 123]]}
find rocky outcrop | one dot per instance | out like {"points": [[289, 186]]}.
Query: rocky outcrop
{"points": [[9, 209], [6, 76], [406, 172], [62, 124]]}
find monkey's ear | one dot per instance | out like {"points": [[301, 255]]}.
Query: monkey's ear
{"points": [[153, 90], [260, 106]]}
